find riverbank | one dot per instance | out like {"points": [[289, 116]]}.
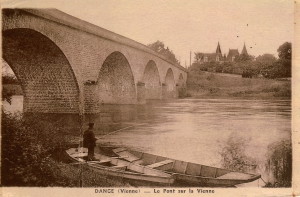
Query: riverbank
{"points": [[217, 85]]}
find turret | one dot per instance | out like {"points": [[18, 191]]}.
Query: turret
{"points": [[218, 50], [244, 51]]}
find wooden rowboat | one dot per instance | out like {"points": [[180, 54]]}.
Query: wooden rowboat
{"points": [[187, 173], [115, 167]]}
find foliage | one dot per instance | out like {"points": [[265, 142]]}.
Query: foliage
{"points": [[32, 155], [265, 65], [233, 154], [243, 58], [269, 69], [280, 163], [285, 51], [280, 69], [266, 58], [28, 148], [197, 56], [6, 95], [159, 47], [9, 79]]}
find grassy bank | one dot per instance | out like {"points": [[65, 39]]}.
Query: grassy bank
{"points": [[206, 84]]}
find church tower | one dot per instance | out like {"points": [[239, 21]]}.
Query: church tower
{"points": [[244, 51]]}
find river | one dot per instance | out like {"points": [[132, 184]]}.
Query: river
{"points": [[193, 130]]}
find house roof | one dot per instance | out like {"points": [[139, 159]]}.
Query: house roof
{"points": [[210, 56], [233, 52]]}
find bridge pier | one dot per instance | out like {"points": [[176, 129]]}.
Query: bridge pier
{"points": [[177, 90], [181, 91], [167, 93], [91, 101], [141, 93]]}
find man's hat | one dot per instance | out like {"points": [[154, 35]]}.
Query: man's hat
{"points": [[91, 124]]}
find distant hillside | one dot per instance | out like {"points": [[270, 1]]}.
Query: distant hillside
{"points": [[206, 84]]}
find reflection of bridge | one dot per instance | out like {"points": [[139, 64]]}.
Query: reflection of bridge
{"points": [[62, 61]]}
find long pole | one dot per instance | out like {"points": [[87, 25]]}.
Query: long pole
{"points": [[190, 58], [81, 120]]}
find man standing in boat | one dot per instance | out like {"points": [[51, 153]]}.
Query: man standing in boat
{"points": [[89, 141]]}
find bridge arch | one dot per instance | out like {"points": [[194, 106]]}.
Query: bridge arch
{"points": [[170, 87], [115, 84], [44, 72], [152, 81]]}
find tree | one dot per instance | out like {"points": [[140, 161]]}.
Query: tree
{"points": [[264, 63], [9, 79], [6, 95], [285, 51], [266, 58], [244, 58], [197, 57], [283, 67], [30, 146], [159, 47]]}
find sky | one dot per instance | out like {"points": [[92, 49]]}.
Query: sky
{"points": [[187, 25]]}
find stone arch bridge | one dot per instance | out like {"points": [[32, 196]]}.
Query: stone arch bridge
{"points": [[66, 65]]}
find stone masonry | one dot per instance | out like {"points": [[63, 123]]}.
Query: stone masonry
{"points": [[66, 65]]}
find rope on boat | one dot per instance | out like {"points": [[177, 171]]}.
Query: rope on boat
{"points": [[263, 180]]}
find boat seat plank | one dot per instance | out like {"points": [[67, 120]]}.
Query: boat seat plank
{"points": [[116, 150], [161, 163], [122, 152], [121, 167], [100, 162], [105, 161], [76, 155]]}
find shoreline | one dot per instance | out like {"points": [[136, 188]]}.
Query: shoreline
{"points": [[198, 97]]}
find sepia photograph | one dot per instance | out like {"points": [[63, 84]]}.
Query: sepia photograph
{"points": [[148, 97]]}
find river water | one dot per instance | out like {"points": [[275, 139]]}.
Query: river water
{"points": [[193, 130]]}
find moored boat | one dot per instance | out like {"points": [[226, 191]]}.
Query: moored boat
{"points": [[116, 167], [187, 173]]}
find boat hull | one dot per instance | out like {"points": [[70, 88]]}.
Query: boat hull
{"points": [[188, 180], [187, 173], [150, 177]]}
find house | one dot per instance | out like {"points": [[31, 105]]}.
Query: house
{"points": [[232, 54], [218, 57], [209, 57]]}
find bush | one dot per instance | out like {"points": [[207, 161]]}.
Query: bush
{"points": [[267, 66], [28, 148], [233, 154], [280, 163], [210, 77]]}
